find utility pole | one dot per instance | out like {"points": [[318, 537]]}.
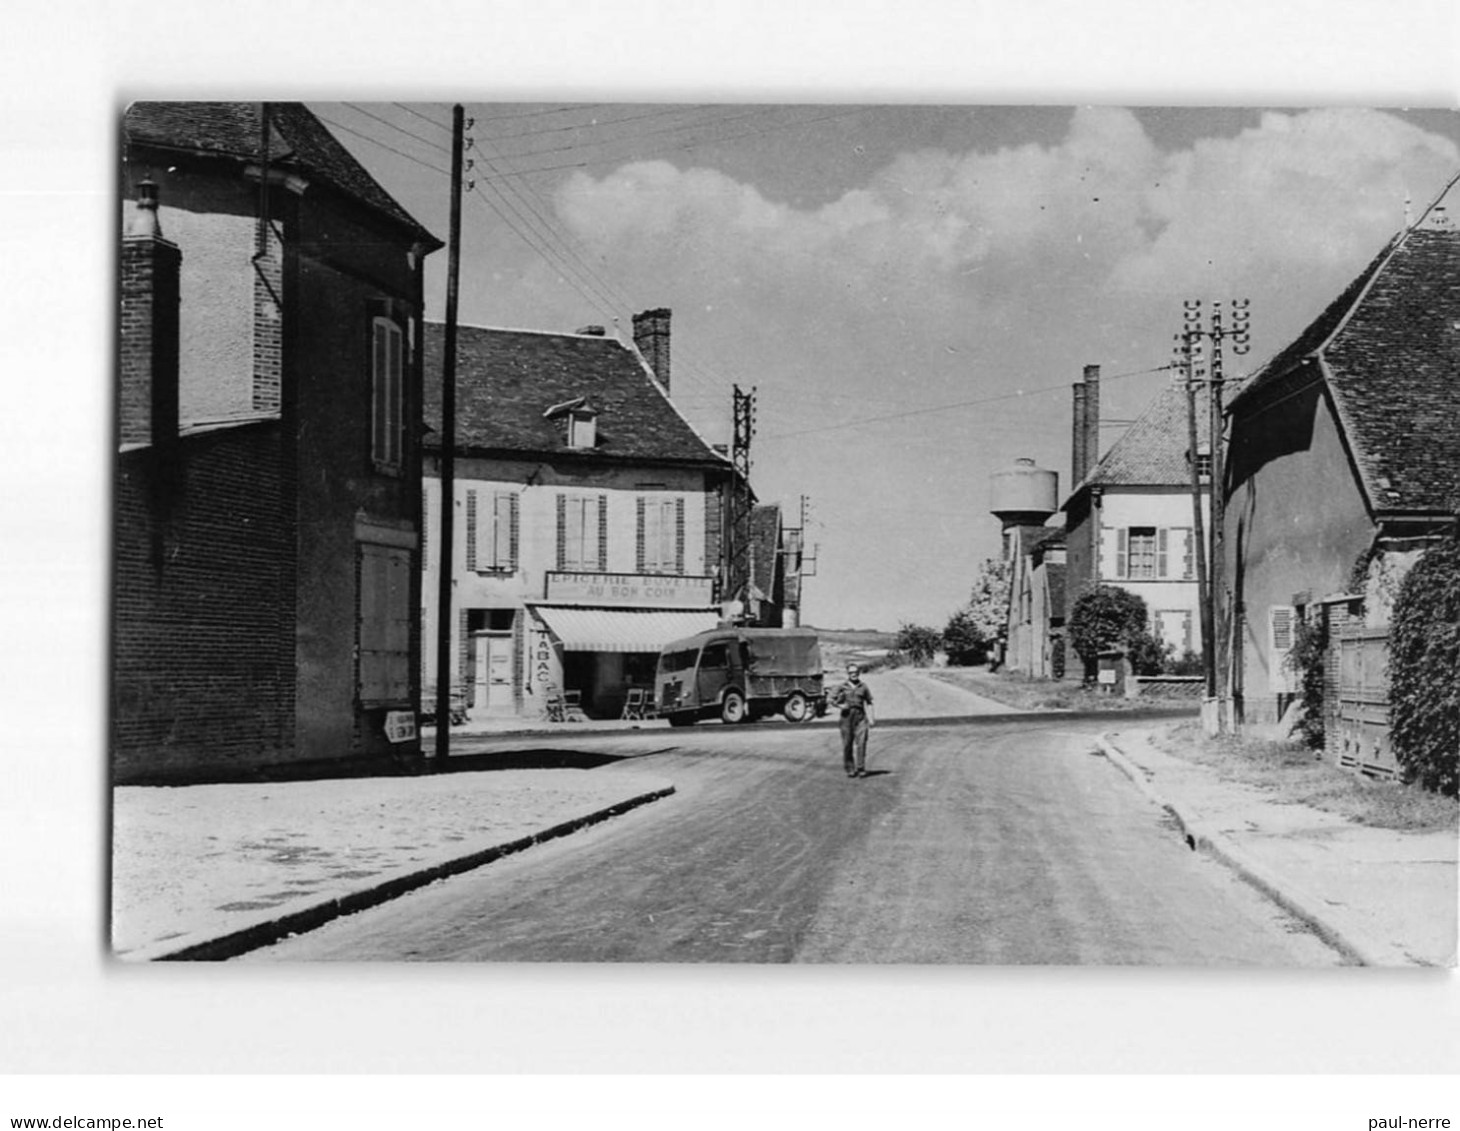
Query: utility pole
{"points": [[1190, 339], [1215, 633], [445, 569], [740, 579]]}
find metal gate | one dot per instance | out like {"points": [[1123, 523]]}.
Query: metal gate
{"points": [[1363, 701]]}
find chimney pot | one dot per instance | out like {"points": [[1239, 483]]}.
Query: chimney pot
{"points": [[144, 221]]}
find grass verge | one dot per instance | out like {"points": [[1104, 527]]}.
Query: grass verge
{"points": [[1035, 694], [1296, 775]]}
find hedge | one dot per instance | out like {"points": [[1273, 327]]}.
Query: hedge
{"points": [[1424, 671]]}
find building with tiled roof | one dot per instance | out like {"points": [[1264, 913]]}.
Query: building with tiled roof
{"points": [[268, 474], [1344, 454], [1129, 519], [590, 517]]}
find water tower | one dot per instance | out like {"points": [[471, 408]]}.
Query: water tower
{"points": [[1023, 495]]}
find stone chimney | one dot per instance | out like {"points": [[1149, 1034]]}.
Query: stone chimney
{"points": [[1092, 418], [651, 337], [147, 400]]}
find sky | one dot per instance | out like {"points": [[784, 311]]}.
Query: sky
{"points": [[911, 290]]}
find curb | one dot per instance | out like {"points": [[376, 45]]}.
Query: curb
{"points": [[316, 915], [1300, 904]]}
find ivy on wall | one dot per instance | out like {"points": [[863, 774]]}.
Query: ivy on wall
{"points": [[1424, 670]]}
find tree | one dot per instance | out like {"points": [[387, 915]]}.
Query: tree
{"points": [[964, 640], [918, 643], [1108, 617], [988, 603]]}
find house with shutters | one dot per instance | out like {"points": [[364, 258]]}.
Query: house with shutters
{"points": [[1129, 518], [1343, 465], [267, 491], [590, 516]]}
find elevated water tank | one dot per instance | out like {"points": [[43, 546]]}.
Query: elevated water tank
{"points": [[1023, 494]]}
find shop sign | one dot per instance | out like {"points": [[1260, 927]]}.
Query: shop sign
{"points": [[646, 590]]}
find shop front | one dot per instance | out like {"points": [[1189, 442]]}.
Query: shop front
{"points": [[594, 637]]}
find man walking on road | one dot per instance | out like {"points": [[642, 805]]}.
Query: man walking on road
{"points": [[855, 700]]}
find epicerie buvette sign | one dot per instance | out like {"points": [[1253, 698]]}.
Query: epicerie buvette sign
{"points": [[631, 589]]}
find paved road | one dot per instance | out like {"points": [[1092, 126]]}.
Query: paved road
{"points": [[906, 693], [1001, 842]]}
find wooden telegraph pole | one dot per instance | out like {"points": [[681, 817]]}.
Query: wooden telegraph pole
{"points": [[448, 452]]}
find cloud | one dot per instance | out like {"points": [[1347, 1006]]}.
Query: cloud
{"points": [[1103, 206]]}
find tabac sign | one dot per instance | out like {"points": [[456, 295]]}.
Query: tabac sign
{"points": [[643, 590]]}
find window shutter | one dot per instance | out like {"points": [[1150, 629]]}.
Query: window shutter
{"points": [[515, 524], [562, 531], [678, 535], [1280, 623], [602, 532], [639, 547], [1122, 538], [1186, 552], [471, 530], [377, 389], [1161, 552], [425, 526], [396, 385]]}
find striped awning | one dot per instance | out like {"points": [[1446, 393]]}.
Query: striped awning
{"points": [[623, 630]]}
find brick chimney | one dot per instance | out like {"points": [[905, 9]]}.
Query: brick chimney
{"points": [[147, 401], [651, 336], [1092, 417], [1078, 456]]}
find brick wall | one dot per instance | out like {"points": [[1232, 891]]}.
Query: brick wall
{"points": [[203, 631]]}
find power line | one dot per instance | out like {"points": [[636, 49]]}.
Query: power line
{"points": [[956, 405], [639, 155]]}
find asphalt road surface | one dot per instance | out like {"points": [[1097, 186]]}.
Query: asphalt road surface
{"points": [[1000, 841]]}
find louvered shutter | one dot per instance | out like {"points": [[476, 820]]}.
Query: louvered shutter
{"points": [[1281, 623], [640, 557], [562, 532], [1122, 553], [678, 535], [1161, 552], [471, 530], [602, 538], [516, 524]]}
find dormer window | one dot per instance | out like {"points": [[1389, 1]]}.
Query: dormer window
{"points": [[581, 422], [582, 428], [1203, 461]]}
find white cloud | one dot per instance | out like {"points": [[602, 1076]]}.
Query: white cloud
{"points": [[1299, 190]]}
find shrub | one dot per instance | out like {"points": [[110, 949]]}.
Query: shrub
{"points": [[1310, 648], [1147, 655], [1188, 663], [1424, 671], [1105, 617], [965, 640], [918, 643]]}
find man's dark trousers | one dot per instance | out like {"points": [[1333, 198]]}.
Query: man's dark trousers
{"points": [[854, 741]]}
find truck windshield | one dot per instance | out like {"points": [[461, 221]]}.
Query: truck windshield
{"points": [[678, 661]]}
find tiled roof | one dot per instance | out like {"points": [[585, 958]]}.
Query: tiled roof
{"points": [[765, 536], [300, 141], [507, 379], [1390, 350], [1152, 451]]}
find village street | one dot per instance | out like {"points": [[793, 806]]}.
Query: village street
{"points": [[999, 841]]}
